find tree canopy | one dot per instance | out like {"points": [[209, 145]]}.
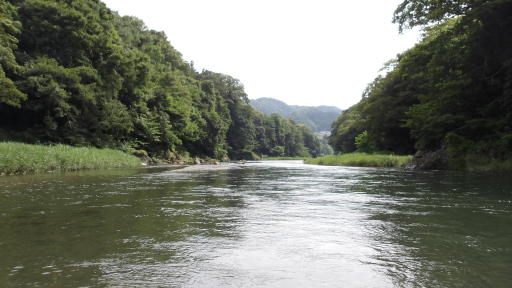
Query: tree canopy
{"points": [[9, 28], [77, 73], [451, 91]]}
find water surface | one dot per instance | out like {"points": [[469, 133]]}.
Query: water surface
{"points": [[269, 224]]}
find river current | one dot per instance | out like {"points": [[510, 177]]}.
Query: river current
{"points": [[267, 224]]}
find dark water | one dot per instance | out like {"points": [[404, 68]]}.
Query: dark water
{"points": [[269, 224]]}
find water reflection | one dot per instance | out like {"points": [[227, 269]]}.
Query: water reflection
{"points": [[270, 224], [445, 229]]}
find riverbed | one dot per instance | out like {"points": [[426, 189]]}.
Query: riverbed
{"points": [[260, 224]]}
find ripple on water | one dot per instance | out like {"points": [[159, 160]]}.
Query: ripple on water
{"points": [[268, 224]]}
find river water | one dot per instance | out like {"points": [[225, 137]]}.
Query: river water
{"points": [[268, 224]]}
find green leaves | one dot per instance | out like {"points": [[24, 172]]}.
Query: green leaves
{"points": [[8, 26], [348, 125], [74, 72], [75, 32], [411, 13], [364, 144], [9, 94], [451, 91]]}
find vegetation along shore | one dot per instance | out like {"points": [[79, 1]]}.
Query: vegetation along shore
{"points": [[448, 99], [19, 158], [77, 73], [361, 160]]}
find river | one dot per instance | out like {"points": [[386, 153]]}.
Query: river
{"points": [[268, 224]]}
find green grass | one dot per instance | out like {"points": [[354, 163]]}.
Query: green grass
{"points": [[481, 163], [19, 158], [361, 160]]}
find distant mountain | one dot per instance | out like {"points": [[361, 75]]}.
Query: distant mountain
{"points": [[329, 109], [318, 118], [270, 106], [315, 118]]}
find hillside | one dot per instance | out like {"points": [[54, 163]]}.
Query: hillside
{"points": [[77, 73], [270, 106], [448, 99], [318, 118]]}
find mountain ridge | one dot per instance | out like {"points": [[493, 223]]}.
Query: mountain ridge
{"points": [[318, 118]]}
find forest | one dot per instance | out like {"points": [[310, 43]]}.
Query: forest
{"points": [[75, 72], [448, 99]]}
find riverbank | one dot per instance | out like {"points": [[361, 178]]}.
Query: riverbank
{"points": [[19, 158], [361, 160]]}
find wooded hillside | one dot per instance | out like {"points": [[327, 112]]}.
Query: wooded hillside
{"points": [[450, 96], [318, 118], [77, 73]]}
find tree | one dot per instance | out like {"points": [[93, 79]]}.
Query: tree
{"points": [[364, 143], [468, 96], [9, 94], [452, 91], [294, 141], [412, 13], [325, 149], [344, 130], [75, 72], [74, 33], [241, 132], [311, 142]]}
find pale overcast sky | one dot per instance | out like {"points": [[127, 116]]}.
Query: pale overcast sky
{"points": [[309, 52]]}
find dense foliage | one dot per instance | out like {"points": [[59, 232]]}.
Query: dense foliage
{"points": [[77, 73], [452, 92]]}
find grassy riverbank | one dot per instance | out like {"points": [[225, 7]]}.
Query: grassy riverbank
{"points": [[361, 160], [19, 158]]}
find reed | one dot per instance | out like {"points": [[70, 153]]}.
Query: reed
{"points": [[19, 158], [361, 160]]}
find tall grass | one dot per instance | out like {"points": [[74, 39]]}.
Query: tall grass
{"points": [[482, 163], [361, 160], [19, 158]]}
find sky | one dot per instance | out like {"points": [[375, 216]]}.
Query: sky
{"points": [[302, 52]]}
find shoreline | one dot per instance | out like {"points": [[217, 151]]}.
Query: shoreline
{"points": [[21, 158], [207, 167]]}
